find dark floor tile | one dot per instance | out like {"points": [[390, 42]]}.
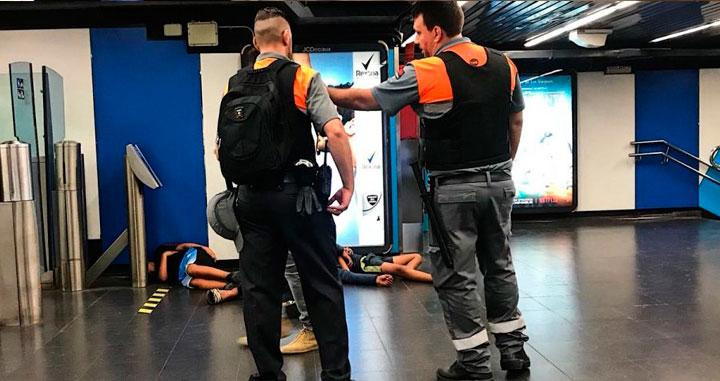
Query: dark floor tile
{"points": [[366, 340], [707, 343], [558, 330], [653, 314], [662, 312], [591, 370], [371, 360], [304, 366], [678, 369], [201, 365], [391, 376], [530, 304], [551, 290]]}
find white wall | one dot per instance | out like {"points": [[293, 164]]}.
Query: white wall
{"points": [[215, 69], [66, 51], [709, 112], [606, 126]]}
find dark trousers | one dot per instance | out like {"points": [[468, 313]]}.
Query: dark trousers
{"points": [[270, 226]]}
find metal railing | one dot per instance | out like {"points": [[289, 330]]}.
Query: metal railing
{"points": [[667, 157]]}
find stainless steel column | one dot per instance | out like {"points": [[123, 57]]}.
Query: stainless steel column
{"points": [[71, 238], [19, 261], [136, 228]]}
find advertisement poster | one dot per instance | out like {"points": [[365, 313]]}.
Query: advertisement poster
{"points": [[543, 167], [363, 223]]}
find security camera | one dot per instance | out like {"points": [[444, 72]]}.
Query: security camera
{"points": [[590, 38]]}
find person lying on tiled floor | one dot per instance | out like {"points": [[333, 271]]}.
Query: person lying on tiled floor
{"points": [[381, 268], [192, 266]]}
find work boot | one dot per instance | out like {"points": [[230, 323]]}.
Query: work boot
{"points": [[457, 372], [302, 343], [514, 361], [285, 329]]}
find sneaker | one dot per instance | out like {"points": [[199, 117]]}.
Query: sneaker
{"points": [[234, 277], [457, 373], [302, 343], [213, 297], [515, 361], [285, 329]]}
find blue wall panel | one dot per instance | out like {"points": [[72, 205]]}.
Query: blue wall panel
{"points": [[148, 93], [666, 107]]}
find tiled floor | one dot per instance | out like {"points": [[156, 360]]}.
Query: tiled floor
{"points": [[604, 299]]}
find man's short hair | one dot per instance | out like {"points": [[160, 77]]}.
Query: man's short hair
{"points": [[268, 13], [445, 14], [271, 31]]}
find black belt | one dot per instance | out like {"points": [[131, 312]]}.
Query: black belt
{"points": [[264, 185], [481, 177]]}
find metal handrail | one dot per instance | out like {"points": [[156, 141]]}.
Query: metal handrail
{"points": [[666, 156]]}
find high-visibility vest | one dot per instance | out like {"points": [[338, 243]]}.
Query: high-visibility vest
{"points": [[479, 82]]}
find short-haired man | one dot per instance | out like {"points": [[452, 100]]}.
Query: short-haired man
{"points": [[470, 104], [271, 225]]}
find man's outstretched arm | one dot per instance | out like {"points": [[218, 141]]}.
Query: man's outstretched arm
{"points": [[355, 99]]}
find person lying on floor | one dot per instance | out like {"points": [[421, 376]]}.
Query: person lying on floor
{"points": [[192, 266], [403, 266]]}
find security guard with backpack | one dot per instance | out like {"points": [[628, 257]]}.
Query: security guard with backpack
{"points": [[265, 146], [470, 105]]}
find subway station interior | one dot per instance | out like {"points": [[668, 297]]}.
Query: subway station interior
{"points": [[111, 191]]}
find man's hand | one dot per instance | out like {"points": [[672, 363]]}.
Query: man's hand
{"points": [[342, 197], [384, 280]]}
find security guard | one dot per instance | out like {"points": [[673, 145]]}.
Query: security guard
{"points": [[270, 222], [470, 104]]}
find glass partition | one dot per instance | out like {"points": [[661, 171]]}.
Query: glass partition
{"points": [[53, 102], [22, 96]]}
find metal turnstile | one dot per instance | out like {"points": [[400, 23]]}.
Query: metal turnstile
{"points": [[19, 259], [138, 174]]}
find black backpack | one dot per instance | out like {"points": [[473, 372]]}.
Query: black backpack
{"points": [[254, 139]]}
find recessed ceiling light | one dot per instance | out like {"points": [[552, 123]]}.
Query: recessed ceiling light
{"points": [[688, 31], [601, 14]]}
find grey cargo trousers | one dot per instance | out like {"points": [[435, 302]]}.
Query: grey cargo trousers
{"points": [[477, 218]]}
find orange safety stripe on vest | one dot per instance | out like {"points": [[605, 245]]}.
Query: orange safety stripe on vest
{"points": [[433, 80], [476, 55], [303, 77], [301, 85], [472, 54], [513, 73]]}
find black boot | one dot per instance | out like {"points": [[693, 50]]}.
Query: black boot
{"points": [[457, 373], [514, 361]]}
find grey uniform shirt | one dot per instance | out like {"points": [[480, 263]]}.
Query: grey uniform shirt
{"points": [[319, 106], [398, 92]]}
